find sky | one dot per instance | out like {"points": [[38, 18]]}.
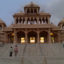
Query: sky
{"points": [[9, 7]]}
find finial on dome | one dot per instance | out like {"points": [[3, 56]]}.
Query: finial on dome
{"points": [[31, 2], [62, 19]]}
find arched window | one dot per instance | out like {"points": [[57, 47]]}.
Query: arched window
{"points": [[0, 27], [31, 22], [31, 10], [39, 20], [28, 20], [20, 20], [43, 37], [23, 20], [42, 21], [28, 11], [16, 20], [32, 37], [46, 20], [35, 11], [11, 37], [35, 21], [63, 26], [21, 37]]}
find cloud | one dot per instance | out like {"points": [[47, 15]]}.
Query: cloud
{"points": [[56, 8]]}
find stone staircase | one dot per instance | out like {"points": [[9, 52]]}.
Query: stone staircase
{"points": [[33, 54], [10, 61]]}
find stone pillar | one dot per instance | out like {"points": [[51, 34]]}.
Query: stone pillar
{"points": [[33, 10], [37, 20], [15, 37], [41, 21], [19, 20], [59, 37], [15, 19], [38, 38], [26, 20], [45, 19], [22, 21], [26, 10], [48, 19], [37, 10], [6, 38], [61, 26], [30, 10], [49, 36], [26, 38]]}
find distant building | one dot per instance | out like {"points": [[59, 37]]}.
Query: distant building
{"points": [[32, 26]]}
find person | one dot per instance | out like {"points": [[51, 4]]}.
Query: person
{"points": [[11, 51], [16, 50]]}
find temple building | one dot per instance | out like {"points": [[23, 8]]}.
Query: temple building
{"points": [[32, 26]]}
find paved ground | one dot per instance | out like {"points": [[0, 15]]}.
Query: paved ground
{"points": [[33, 54]]}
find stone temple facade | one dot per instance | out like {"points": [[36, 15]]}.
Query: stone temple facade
{"points": [[39, 41], [32, 26]]}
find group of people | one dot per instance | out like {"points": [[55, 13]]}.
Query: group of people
{"points": [[13, 50]]}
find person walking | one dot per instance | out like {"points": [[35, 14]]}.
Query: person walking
{"points": [[11, 51], [16, 50]]}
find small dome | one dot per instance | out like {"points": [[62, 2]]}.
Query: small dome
{"points": [[1, 22], [61, 22], [32, 5]]}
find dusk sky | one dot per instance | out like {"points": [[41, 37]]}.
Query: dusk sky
{"points": [[9, 7]]}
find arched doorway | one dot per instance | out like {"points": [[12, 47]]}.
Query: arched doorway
{"points": [[32, 37], [0, 27], [11, 37], [43, 37], [54, 37], [21, 37]]}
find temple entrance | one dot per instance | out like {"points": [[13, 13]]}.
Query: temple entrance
{"points": [[43, 37], [22, 40], [10, 37], [42, 40], [32, 37], [54, 37], [21, 37]]}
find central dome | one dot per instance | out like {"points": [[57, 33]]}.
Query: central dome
{"points": [[31, 5]]}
